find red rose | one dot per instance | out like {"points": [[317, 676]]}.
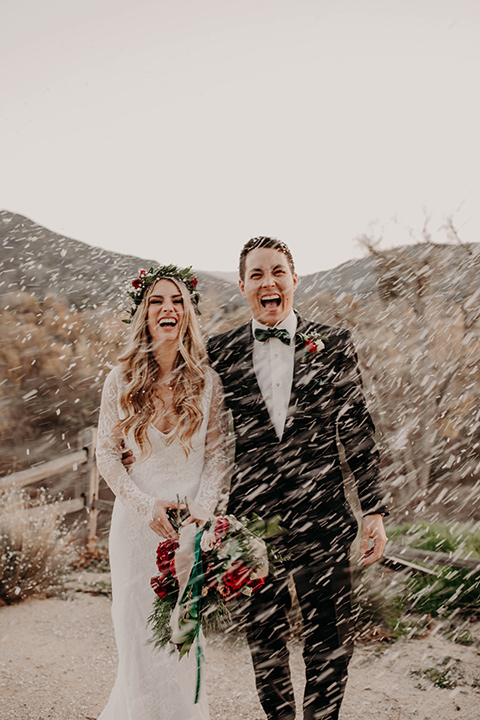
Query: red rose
{"points": [[142, 273], [236, 578], [256, 584], [166, 556], [159, 586], [221, 528], [311, 346], [193, 282], [136, 283]]}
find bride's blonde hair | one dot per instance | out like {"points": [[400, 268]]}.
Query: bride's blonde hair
{"points": [[141, 373]]}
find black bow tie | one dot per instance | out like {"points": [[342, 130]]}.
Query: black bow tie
{"points": [[264, 334]]}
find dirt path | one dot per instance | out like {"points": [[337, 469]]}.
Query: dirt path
{"points": [[58, 662]]}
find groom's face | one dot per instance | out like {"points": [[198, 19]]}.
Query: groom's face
{"points": [[269, 285]]}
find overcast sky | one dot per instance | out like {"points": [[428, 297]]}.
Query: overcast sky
{"points": [[178, 129]]}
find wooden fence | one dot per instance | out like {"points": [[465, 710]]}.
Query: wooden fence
{"points": [[86, 489]]}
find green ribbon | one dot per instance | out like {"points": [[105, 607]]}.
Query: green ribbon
{"points": [[195, 584]]}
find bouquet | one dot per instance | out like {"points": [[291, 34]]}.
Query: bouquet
{"points": [[208, 567]]}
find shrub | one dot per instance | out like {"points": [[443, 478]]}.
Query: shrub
{"points": [[451, 589], [35, 552], [403, 603], [438, 537]]}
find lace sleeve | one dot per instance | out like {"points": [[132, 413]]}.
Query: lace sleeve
{"points": [[109, 452], [215, 481]]}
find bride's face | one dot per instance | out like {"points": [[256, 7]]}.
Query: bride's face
{"points": [[165, 312]]}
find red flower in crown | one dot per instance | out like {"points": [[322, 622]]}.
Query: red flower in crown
{"points": [[193, 282], [142, 273], [136, 283]]}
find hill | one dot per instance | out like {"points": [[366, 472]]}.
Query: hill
{"points": [[37, 260], [359, 278]]}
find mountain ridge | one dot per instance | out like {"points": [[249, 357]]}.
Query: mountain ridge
{"points": [[35, 259]]}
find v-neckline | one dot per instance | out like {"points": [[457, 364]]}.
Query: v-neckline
{"points": [[160, 432]]}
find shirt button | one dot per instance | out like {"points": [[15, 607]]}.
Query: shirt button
{"points": [[278, 384], [276, 356]]}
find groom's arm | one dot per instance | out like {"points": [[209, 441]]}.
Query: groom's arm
{"points": [[357, 434], [356, 429]]}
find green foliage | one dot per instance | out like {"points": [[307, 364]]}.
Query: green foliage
{"points": [[35, 553], [462, 637], [265, 529], [441, 678], [159, 621], [451, 589], [438, 537], [103, 588], [403, 603]]}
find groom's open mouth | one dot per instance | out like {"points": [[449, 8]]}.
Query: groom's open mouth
{"points": [[167, 322], [270, 301]]}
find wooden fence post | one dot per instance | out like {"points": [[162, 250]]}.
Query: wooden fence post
{"points": [[88, 441]]}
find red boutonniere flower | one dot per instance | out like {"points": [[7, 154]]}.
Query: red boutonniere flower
{"points": [[313, 342]]}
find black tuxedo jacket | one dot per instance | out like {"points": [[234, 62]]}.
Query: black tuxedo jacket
{"points": [[299, 477]]}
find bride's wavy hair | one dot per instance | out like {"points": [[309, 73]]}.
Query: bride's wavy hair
{"points": [[141, 373]]}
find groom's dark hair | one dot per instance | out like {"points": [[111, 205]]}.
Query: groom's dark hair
{"points": [[264, 242]]}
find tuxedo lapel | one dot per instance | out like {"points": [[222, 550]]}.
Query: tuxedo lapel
{"points": [[305, 369]]}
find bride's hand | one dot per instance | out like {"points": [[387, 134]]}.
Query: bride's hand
{"points": [[160, 523]]}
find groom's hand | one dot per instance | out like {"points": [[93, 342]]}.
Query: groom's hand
{"points": [[372, 530], [127, 458]]}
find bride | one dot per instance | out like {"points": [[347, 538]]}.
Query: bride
{"points": [[166, 403]]}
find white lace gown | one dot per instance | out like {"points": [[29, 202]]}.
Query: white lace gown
{"points": [[153, 684]]}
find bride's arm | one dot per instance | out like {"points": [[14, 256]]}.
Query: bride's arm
{"points": [[109, 453], [215, 481]]}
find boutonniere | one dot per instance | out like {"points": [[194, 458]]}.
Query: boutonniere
{"points": [[313, 344]]}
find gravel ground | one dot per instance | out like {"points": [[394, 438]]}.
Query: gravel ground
{"points": [[58, 662]]}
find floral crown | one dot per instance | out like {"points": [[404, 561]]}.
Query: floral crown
{"points": [[146, 278]]}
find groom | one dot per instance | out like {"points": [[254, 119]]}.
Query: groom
{"points": [[294, 390]]}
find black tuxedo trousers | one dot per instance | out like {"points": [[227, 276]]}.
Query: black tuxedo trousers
{"points": [[299, 478]]}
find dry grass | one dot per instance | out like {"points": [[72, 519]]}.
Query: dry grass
{"points": [[35, 551]]}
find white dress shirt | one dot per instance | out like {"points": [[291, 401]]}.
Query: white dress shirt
{"points": [[273, 365]]}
